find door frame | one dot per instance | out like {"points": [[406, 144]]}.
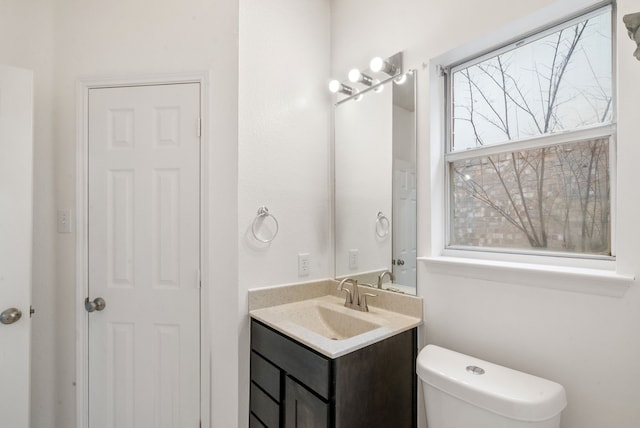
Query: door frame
{"points": [[82, 251]]}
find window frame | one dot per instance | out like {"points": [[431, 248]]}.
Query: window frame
{"points": [[590, 276], [596, 131]]}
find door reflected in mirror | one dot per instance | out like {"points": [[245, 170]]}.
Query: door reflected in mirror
{"points": [[375, 186]]}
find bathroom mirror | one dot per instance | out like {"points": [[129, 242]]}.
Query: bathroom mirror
{"points": [[375, 185]]}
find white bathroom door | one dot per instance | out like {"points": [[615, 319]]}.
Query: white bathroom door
{"points": [[144, 256], [16, 184], [404, 224]]}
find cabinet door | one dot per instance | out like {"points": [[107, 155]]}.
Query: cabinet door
{"points": [[302, 408]]}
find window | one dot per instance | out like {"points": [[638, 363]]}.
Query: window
{"points": [[530, 146]]}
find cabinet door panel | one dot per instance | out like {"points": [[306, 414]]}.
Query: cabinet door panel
{"points": [[375, 386], [303, 409]]}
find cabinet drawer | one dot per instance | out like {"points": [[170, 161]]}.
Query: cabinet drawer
{"points": [[265, 375], [308, 367], [254, 422], [262, 406]]}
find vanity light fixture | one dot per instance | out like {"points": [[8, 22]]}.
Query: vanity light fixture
{"points": [[378, 65], [391, 66], [356, 76], [336, 86]]}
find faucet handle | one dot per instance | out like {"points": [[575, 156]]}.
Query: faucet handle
{"points": [[348, 297], [363, 300]]}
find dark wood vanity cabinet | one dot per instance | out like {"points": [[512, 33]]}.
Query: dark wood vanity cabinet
{"points": [[293, 386]]}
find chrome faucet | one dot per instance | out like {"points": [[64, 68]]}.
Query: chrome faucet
{"points": [[381, 277], [354, 298]]}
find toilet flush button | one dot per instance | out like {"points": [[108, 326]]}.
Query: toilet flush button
{"points": [[475, 370]]}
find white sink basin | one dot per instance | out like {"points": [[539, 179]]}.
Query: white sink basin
{"points": [[324, 324]]}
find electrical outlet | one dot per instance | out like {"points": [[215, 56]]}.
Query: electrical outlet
{"points": [[64, 221], [353, 259], [304, 261]]}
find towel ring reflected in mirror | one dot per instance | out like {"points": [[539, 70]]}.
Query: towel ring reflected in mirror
{"points": [[264, 214], [382, 225]]}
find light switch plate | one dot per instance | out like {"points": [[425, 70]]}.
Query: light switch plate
{"points": [[64, 221], [353, 259], [304, 260]]}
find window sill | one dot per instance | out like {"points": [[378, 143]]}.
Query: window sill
{"points": [[579, 280]]}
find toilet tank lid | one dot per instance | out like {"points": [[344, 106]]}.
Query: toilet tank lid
{"points": [[500, 390]]}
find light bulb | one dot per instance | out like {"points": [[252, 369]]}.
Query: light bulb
{"points": [[356, 76], [376, 64], [400, 79], [334, 86]]}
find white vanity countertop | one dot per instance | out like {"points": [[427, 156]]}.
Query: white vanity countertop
{"points": [[313, 315]]}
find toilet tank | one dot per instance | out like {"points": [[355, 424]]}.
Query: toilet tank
{"points": [[465, 392]]}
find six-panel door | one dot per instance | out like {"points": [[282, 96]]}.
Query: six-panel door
{"points": [[144, 256]]}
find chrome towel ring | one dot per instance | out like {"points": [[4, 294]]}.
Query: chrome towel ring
{"points": [[382, 225], [263, 214]]}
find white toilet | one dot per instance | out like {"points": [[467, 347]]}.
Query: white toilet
{"points": [[464, 392]]}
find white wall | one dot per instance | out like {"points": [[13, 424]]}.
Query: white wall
{"points": [[284, 137], [62, 41], [588, 343], [284, 149], [125, 37]]}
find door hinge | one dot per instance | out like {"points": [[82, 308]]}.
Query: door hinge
{"points": [[199, 127]]}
